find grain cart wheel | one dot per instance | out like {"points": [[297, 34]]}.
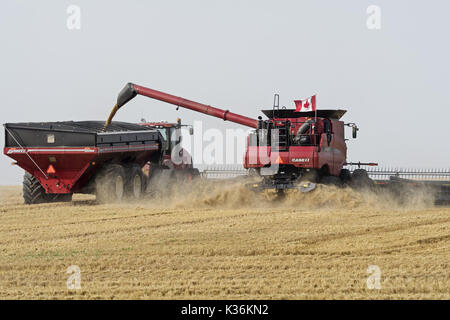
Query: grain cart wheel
{"points": [[33, 191], [110, 184], [136, 182]]}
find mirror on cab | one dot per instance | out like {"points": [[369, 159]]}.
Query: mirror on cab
{"points": [[191, 131], [354, 131]]}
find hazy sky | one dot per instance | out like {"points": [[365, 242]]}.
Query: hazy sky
{"points": [[394, 82]]}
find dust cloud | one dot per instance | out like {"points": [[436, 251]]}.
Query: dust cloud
{"points": [[235, 194]]}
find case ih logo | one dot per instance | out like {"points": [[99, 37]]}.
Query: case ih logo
{"points": [[300, 159]]}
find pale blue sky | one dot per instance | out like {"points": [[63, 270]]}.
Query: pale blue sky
{"points": [[236, 54]]}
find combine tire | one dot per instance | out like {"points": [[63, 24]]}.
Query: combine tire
{"points": [[136, 182], [360, 179], [331, 180], [34, 192], [110, 184], [345, 176]]}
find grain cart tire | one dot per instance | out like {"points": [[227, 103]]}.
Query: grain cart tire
{"points": [[110, 184], [33, 191], [135, 182]]}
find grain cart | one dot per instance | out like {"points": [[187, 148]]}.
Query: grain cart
{"points": [[62, 158]]}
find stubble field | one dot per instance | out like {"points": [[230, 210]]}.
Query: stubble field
{"points": [[218, 240]]}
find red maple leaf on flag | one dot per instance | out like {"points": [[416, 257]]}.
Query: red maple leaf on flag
{"points": [[306, 105]]}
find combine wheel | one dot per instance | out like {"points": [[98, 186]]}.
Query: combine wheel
{"points": [[110, 184], [345, 176], [331, 180], [136, 183], [34, 192], [360, 178]]}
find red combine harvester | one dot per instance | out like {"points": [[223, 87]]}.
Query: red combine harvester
{"points": [[287, 148]]}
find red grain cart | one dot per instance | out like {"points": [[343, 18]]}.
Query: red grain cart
{"points": [[62, 158]]}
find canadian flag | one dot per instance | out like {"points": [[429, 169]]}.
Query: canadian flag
{"points": [[306, 105]]}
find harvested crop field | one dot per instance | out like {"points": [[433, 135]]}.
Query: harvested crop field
{"points": [[218, 240]]}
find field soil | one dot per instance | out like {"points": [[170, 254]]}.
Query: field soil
{"points": [[219, 240]]}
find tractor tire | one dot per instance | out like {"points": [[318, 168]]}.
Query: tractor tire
{"points": [[136, 182], [110, 184], [193, 173], [34, 192], [361, 179], [331, 180], [345, 175]]}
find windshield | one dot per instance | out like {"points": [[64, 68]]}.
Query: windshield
{"points": [[163, 133], [301, 136]]}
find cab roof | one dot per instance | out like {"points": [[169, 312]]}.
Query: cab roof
{"points": [[290, 113]]}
